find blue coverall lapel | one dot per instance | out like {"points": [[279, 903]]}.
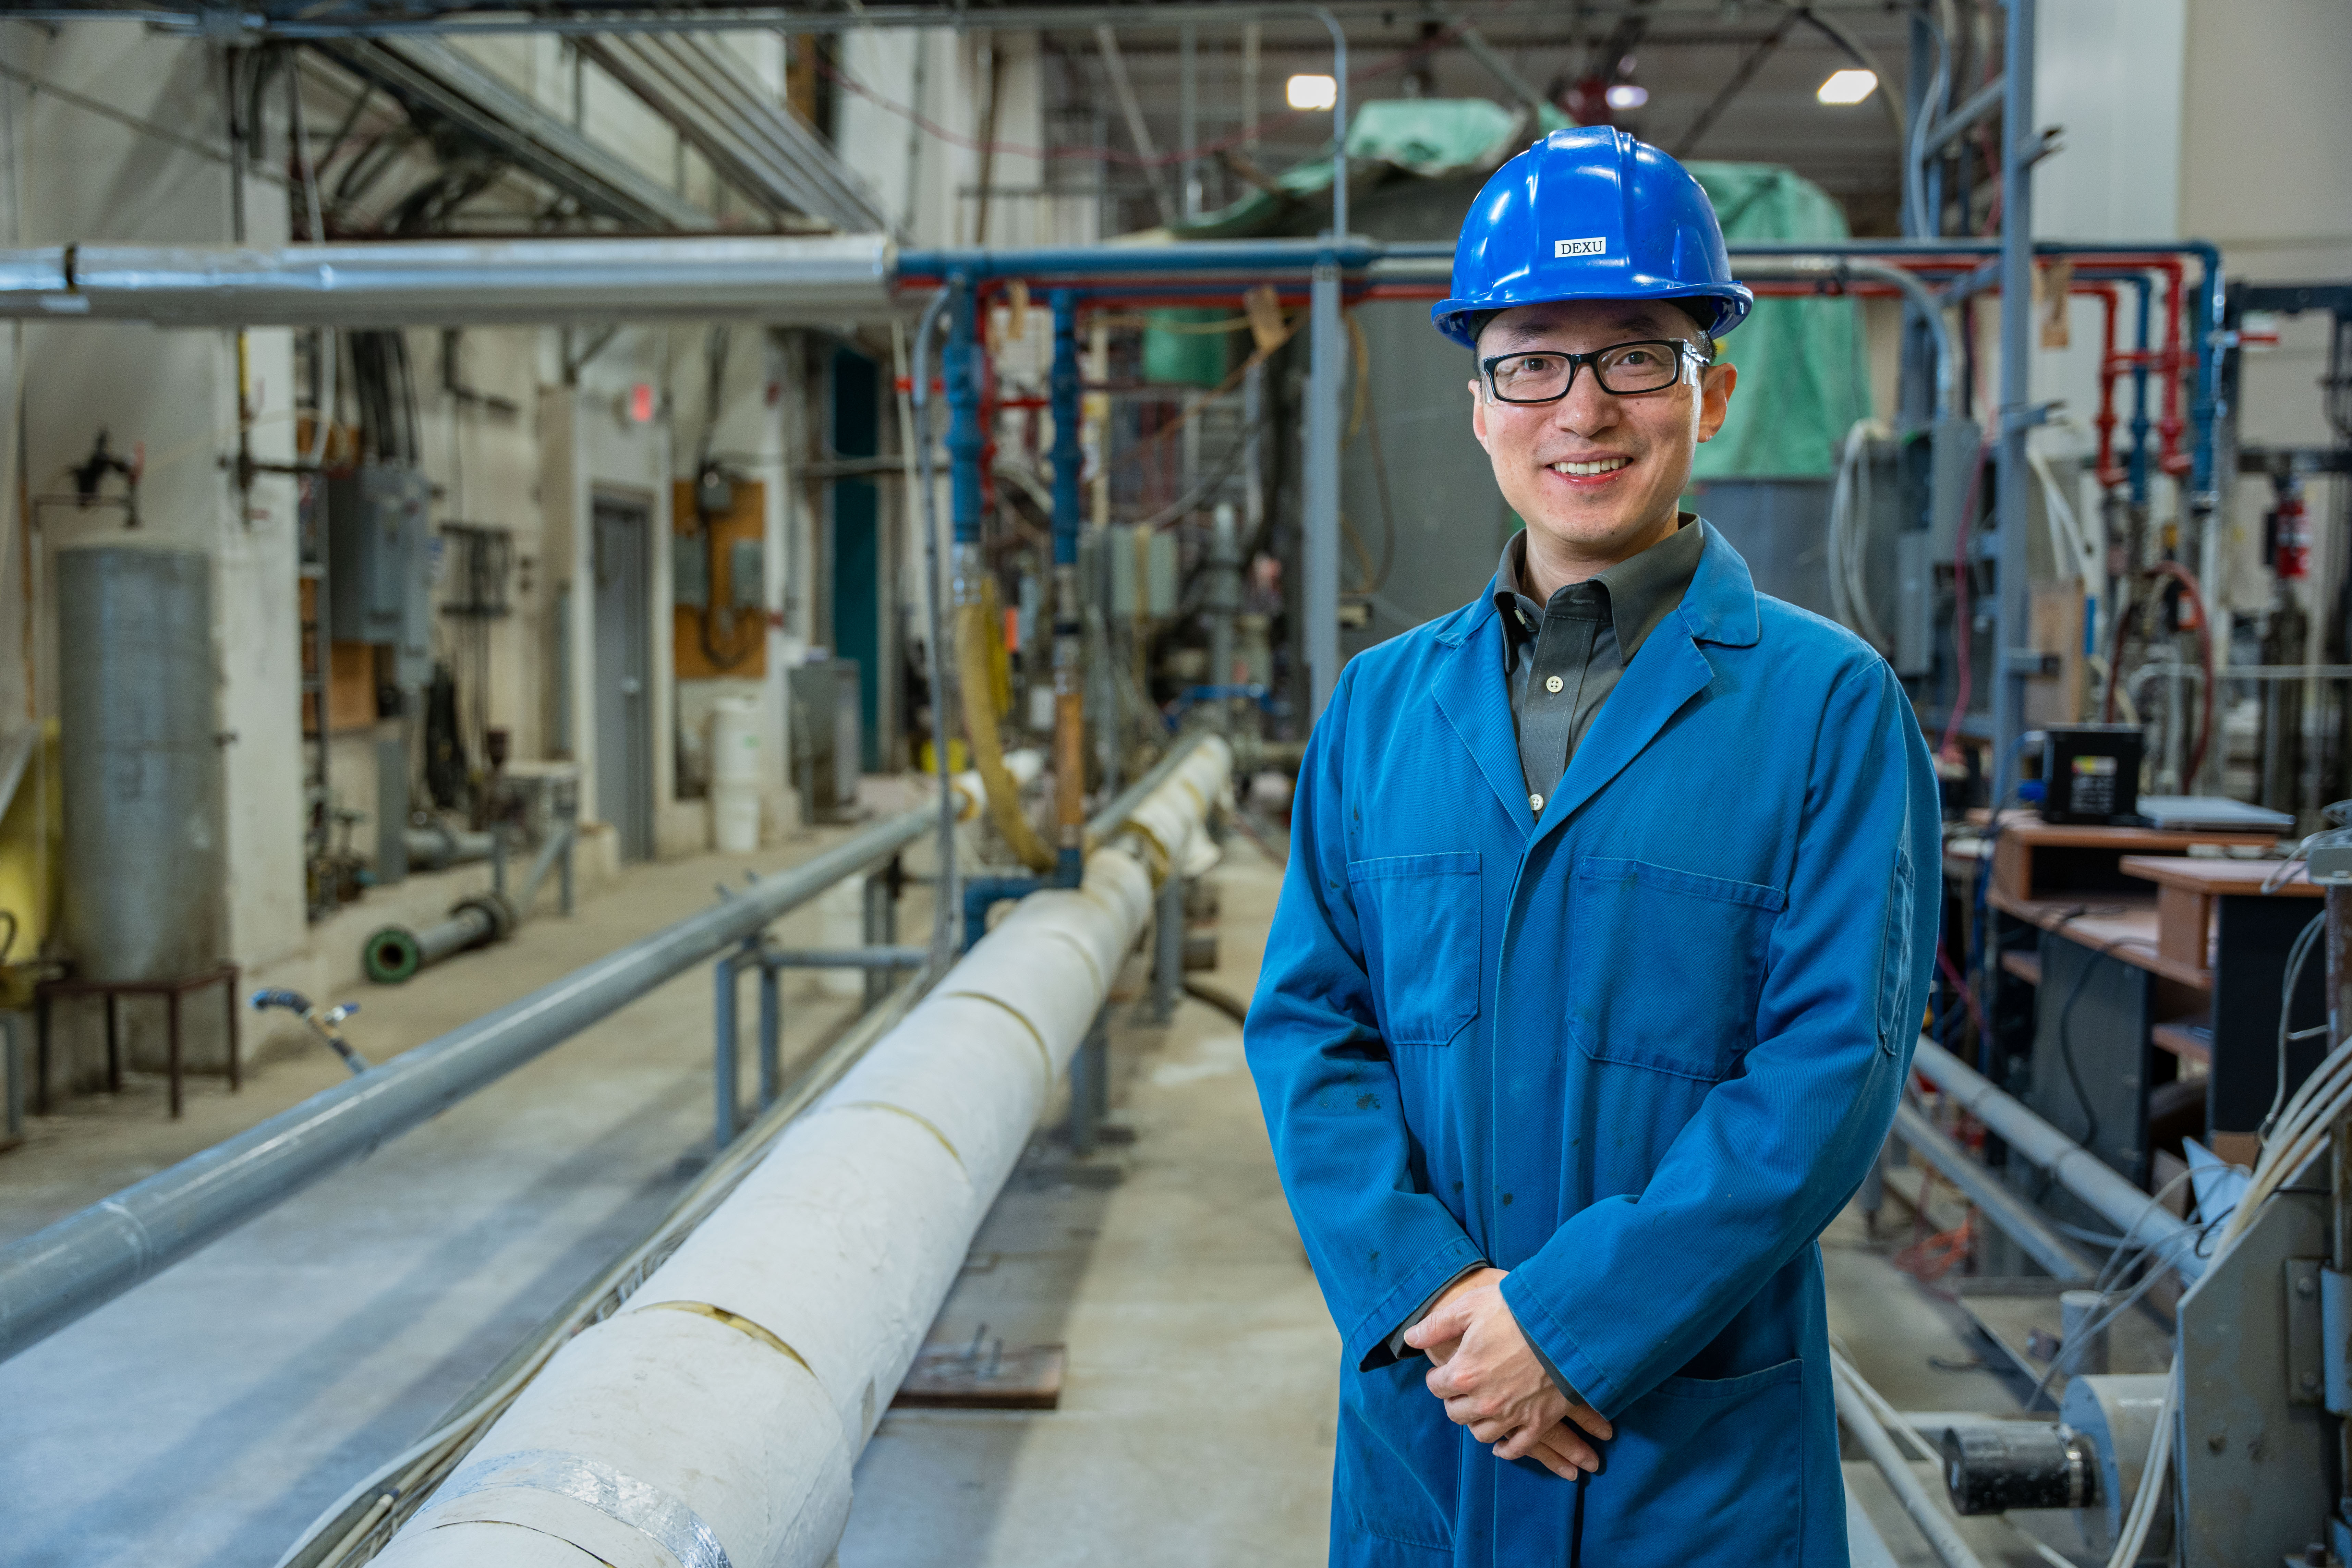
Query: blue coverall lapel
{"points": [[1718, 607], [1468, 688]]}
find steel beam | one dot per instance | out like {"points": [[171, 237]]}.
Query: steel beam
{"points": [[1319, 552], [2013, 496]]}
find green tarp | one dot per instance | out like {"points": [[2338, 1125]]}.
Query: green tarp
{"points": [[1803, 380], [1426, 137]]}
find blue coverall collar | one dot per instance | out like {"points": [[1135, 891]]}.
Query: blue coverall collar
{"points": [[1719, 607]]}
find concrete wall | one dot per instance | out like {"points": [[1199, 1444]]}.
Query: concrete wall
{"points": [[76, 174], [2263, 174], [150, 162]]}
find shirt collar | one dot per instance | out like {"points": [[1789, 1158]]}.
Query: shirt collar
{"points": [[1641, 590]]}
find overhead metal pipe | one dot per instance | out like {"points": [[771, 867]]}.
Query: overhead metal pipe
{"points": [[716, 1417], [457, 282], [1826, 266], [2135, 1215]]}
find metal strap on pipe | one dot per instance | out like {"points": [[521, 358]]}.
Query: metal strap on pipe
{"points": [[2135, 1215], [2012, 1215]]}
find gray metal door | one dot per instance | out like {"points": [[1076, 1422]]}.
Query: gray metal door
{"points": [[623, 673]]}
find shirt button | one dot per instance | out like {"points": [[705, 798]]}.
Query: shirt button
{"points": [[1552, 683], [1535, 803]]}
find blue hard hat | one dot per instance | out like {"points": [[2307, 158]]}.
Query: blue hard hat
{"points": [[1591, 212]]}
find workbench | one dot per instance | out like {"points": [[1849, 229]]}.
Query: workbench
{"points": [[2139, 985]]}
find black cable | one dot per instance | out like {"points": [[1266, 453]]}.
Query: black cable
{"points": [[2066, 1054]]}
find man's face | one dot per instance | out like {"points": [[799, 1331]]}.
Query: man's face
{"points": [[1598, 474]]}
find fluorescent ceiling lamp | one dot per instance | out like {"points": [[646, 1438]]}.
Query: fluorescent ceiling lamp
{"points": [[1628, 95], [1312, 93], [1847, 87]]}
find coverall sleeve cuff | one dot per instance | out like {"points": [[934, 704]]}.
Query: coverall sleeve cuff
{"points": [[1368, 1342], [1569, 1367], [1398, 1349]]}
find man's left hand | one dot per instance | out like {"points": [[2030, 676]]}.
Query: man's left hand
{"points": [[1492, 1382]]}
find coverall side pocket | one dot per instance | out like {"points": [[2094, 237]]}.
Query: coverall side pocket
{"points": [[1894, 956], [1421, 922], [1666, 967], [1722, 1457]]}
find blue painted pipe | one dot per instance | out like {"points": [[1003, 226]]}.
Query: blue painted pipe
{"points": [[982, 894], [1068, 455], [959, 365]]}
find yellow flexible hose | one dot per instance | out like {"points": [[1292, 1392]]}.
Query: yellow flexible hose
{"points": [[975, 669]]}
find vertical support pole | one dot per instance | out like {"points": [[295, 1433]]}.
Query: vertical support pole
{"points": [[1320, 556], [771, 1034], [1187, 132], [571, 843], [873, 917], [498, 860], [723, 1054], [1089, 1086], [1223, 602], [2014, 498], [12, 1036], [1069, 644], [391, 806], [1168, 949], [2339, 937]]}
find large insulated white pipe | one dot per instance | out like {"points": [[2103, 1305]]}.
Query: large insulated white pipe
{"points": [[713, 1421], [1026, 766]]}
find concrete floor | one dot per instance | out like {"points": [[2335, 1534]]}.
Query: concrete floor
{"points": [[206, 1417]]}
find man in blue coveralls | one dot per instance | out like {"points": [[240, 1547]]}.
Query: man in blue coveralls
{"points": [[1600, 955]]}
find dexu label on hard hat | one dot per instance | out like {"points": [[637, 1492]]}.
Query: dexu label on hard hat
{"points": [[1599, 246]]}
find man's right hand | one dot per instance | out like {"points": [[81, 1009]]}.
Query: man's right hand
{"points": [[1565, 1447]]}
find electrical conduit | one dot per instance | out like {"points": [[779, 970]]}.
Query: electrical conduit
{"points": [[715, 1418]]}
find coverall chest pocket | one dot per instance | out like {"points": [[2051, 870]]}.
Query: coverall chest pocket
{"points": [[1420, 919], [1666, 967]]}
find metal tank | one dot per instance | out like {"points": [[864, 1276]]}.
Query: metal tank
{"points": [[145, 859]]}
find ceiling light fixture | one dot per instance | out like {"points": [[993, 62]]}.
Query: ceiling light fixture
{"points": [[1628, 95], [1847, 87], [1312, 93]]}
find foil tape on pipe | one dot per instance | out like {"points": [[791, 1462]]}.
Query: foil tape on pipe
{"points": [[633, 1396]]}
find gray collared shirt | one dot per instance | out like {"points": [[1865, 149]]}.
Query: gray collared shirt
{"points": [[1562, 658]]}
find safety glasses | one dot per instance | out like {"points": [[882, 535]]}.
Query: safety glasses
{"points": [[1624, 370]]}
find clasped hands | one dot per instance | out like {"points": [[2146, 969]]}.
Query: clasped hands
{"points": [[1481, 1366]]}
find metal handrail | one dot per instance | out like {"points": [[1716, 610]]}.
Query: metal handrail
{"points": [[58, 1275]]}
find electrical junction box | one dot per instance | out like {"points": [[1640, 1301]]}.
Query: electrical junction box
{"points": [[380, 559], [747, 574], [689, 571], [2090, 773]]}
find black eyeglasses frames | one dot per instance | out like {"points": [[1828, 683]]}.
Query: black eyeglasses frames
{"points": [[1624, 370]]}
